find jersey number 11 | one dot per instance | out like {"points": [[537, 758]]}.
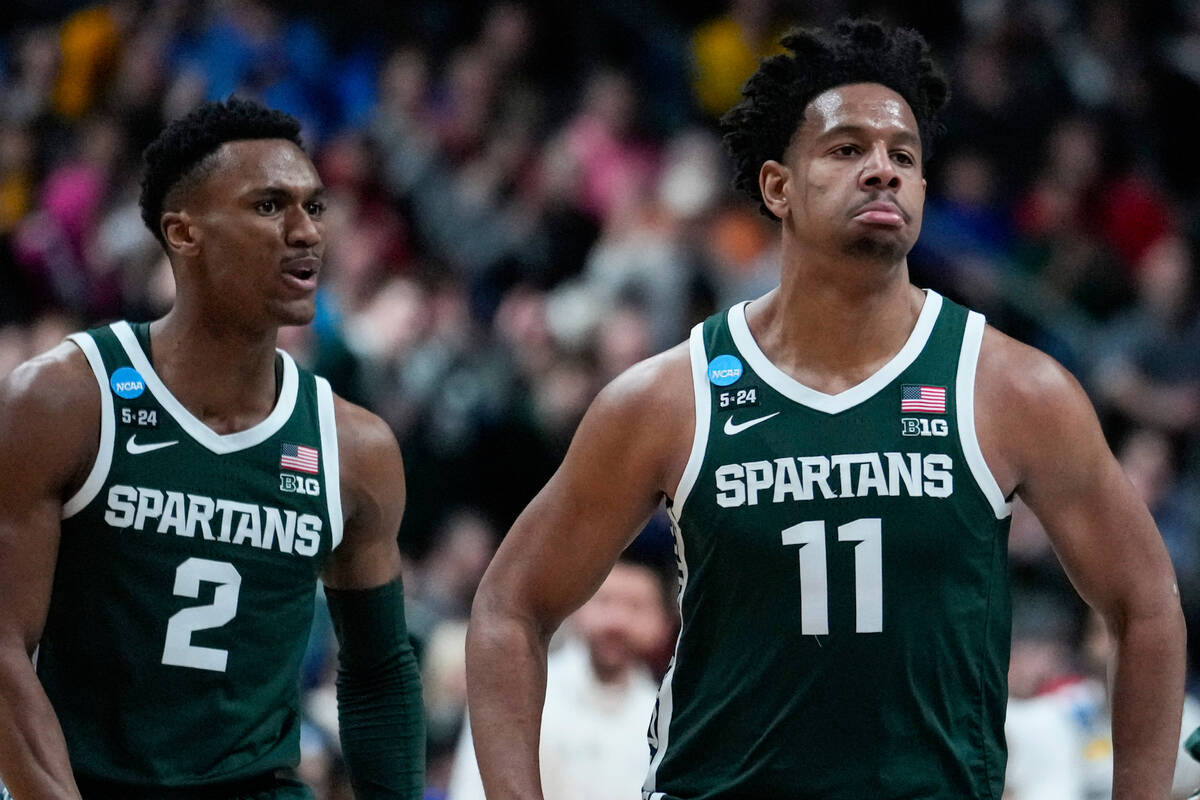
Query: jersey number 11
{"points": [[814, 580]]}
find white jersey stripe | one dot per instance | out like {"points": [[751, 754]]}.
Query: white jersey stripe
{"points": [[108, 429], [665, 702], [330, 458], [965, 397], [789, 387], [204, 435], [703, 412]]}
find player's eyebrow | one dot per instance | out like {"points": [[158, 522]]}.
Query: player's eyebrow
{"points": [[277, 192], [901, 136]]}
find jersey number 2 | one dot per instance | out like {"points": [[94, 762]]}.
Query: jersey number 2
{"points": [[178, 650], [814, 580]]}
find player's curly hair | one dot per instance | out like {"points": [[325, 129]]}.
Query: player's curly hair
{"points": [[761, 126], [180, 150]]}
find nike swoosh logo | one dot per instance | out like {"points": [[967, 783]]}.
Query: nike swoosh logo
{"points": [[136, 449], [732, 427]]}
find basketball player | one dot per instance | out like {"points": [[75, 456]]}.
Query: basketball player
{"points": [[169, 494], [838, 458]]}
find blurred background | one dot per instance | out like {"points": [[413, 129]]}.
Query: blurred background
{"points": [[529, 197]]}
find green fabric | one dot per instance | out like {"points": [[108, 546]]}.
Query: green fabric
{"points": [[379, 693], [1192, 745], [183, 592], [845, 601]]}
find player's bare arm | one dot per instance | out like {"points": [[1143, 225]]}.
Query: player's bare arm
{"points": [[378, 687], [1043, 441], [373, 493], [49, 423], [629, 451]]}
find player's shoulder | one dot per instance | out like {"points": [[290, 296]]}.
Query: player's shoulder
{"points": [[659, 385], [1026, 404], [56, 384], [49, 416], [643, 419], [371, 469], [362, 435], [1023, 376]]}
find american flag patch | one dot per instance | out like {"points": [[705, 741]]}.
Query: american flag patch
{"points": [[926, 399], [299, 458]]}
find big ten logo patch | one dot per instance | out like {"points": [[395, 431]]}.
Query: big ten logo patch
{"points": [[297, 484], [918, 426]]}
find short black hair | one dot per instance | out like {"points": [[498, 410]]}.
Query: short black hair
{"points": [[762, 125], [183, 146]]}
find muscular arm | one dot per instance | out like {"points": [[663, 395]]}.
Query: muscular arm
{"points": [[49, 423], [1049, 447], [627, 453], [378, 687]]}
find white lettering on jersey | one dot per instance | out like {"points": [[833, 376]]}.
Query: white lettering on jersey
{"points": [[245, 524], [844, 475], [731, 488]]}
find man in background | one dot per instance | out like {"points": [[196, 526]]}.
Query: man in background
{"points": [[599, 693]]}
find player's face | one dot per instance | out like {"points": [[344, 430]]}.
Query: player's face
{"points": [[258, 217], [855, 173]]}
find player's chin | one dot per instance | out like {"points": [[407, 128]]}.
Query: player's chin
{"points": [[883, 244], [294, 312]]}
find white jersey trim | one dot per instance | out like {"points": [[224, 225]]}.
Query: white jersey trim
{"points": [[108, 430], [703, 411], [665, 703], [964, 394], [220, 444], [792, 389], [330, 459]]}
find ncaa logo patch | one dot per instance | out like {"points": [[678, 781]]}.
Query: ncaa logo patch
{"points": [[724, 370], [127, 383]]}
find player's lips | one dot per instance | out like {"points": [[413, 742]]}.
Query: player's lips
{"points": [[881, 212], [302, 271]]}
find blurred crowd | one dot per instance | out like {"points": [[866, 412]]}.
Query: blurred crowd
{"points": [[527, 197]]}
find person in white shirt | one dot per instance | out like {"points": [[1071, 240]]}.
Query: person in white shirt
{"points": [[599, 695]]}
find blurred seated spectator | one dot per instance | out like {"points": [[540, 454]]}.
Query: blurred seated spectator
{"points": [[1149, 368], [599, 694], [1060, 740], [616, 165]]}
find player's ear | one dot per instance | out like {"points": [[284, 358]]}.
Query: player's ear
{"points": [[180, 234], [772, 180]]}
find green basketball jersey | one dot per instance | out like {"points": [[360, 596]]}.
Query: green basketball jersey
{"points": [[844, 590], [184, 588]]}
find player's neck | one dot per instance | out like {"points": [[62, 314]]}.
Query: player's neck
{"points": [[831, 326], [223, 374]]}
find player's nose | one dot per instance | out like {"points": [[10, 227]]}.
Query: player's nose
{"points": [[302, 230], [879, 171]]}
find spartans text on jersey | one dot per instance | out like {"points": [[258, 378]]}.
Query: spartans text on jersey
{"points": [[215, 519], [839, 476]]}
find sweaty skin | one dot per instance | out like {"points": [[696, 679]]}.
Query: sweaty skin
{"points": [[246, 248], [843, 308]]}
